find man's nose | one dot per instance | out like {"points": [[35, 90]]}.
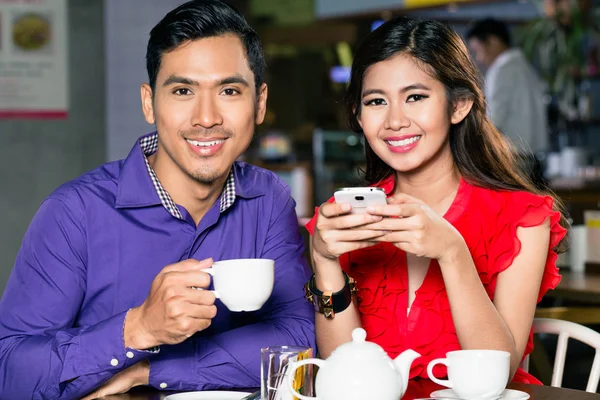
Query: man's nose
{"points": [[206, 114]]}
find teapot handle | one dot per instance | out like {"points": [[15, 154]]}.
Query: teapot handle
{"points": [[432, 364], [294, 366]]}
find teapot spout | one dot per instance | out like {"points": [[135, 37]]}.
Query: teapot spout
{"points": [[403, 363]]}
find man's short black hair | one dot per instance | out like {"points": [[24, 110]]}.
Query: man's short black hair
{"points": [[485, 28], [199, 19]]}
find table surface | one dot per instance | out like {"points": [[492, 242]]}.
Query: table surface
{"points": [[578, 286], [417, 388], [548, 392]]}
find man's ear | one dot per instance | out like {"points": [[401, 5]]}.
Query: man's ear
{"points": [[147, 103], [460, 110], [261, 103]]}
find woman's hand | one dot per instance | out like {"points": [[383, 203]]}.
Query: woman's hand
{"points": [[338, 231], [415, 228]]}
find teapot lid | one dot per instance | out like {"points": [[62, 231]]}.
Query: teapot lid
{"points": [[359, 347], [359, 335]]}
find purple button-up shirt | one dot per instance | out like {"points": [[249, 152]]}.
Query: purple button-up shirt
{"points": [[91, 253]]}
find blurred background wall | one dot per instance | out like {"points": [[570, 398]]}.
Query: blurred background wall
{"points": [[38, 156]]}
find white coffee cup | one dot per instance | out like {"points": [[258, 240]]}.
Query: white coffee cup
{"points": [[243, 284], [474, 374]]}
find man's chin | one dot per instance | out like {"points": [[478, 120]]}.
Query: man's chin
{"points": [[205, 177]]}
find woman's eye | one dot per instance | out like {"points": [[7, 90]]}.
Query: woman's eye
{"points": [[375, 102], [415, 97], [182, 92]]}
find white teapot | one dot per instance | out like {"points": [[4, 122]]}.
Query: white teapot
{"points": [[358, 370]]}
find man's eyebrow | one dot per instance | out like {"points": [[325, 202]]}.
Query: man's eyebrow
{"points": [[181, 80], [174, 79], [233, 79]]}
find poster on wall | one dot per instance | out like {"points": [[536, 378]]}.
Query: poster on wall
{"points": [[33, 59]]}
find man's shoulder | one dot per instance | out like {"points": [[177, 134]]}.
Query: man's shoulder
{"points": [[515, 66], [260, 180], [100, 181]]}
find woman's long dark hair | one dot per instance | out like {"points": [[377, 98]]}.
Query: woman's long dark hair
{"points": [[482, 155]]}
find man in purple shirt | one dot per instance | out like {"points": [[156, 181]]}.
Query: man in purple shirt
{"points": [[101, 297]]}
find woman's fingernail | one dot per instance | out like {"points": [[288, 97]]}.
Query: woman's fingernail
{"points": [[370, 209], [376, 217], [346, 207]]}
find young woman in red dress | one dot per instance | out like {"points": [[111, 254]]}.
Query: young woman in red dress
{"points": [[466, 245]]}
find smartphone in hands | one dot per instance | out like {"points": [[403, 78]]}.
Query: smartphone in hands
{"points": [[360, 197]]}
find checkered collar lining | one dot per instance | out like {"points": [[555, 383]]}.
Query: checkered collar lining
{"points": [[149, 145]]}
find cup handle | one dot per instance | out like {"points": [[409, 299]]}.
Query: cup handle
{"points": [[432, 364], [294, 366], [211, 272]]}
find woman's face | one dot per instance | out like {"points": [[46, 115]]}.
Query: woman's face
{"points": [[404, 114]]}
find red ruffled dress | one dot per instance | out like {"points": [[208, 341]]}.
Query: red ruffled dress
{"points": [[488, 221]]}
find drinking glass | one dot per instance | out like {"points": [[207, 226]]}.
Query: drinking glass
{"points": [[273, 371]]}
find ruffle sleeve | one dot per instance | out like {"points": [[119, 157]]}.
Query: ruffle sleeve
{"points": [[514, 210]]}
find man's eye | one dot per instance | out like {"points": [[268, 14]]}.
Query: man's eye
{"points": [[375, 102], [182, 92], [230, 92]]}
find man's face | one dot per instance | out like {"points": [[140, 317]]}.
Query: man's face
{"points": [[205, 107], [481, 52]]}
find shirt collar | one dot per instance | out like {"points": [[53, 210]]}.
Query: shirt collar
{"points": [[139, 189], [249, 180]]}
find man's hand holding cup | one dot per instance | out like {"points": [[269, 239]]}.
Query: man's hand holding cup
{"points": [[175, 309]]}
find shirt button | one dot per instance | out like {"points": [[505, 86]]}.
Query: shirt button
{"points": [[129, 354], [163, 385], [114, 362]]}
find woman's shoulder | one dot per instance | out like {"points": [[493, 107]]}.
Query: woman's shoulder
{"points": [[509, 201], [494, 215]]}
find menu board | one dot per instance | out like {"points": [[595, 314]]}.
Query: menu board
{"points": [[33, 59]]}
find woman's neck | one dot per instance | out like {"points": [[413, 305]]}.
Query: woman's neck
{"points": [[435, 185]]}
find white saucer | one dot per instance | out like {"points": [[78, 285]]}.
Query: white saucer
{"points": [[208, 395], [508, 394]]}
